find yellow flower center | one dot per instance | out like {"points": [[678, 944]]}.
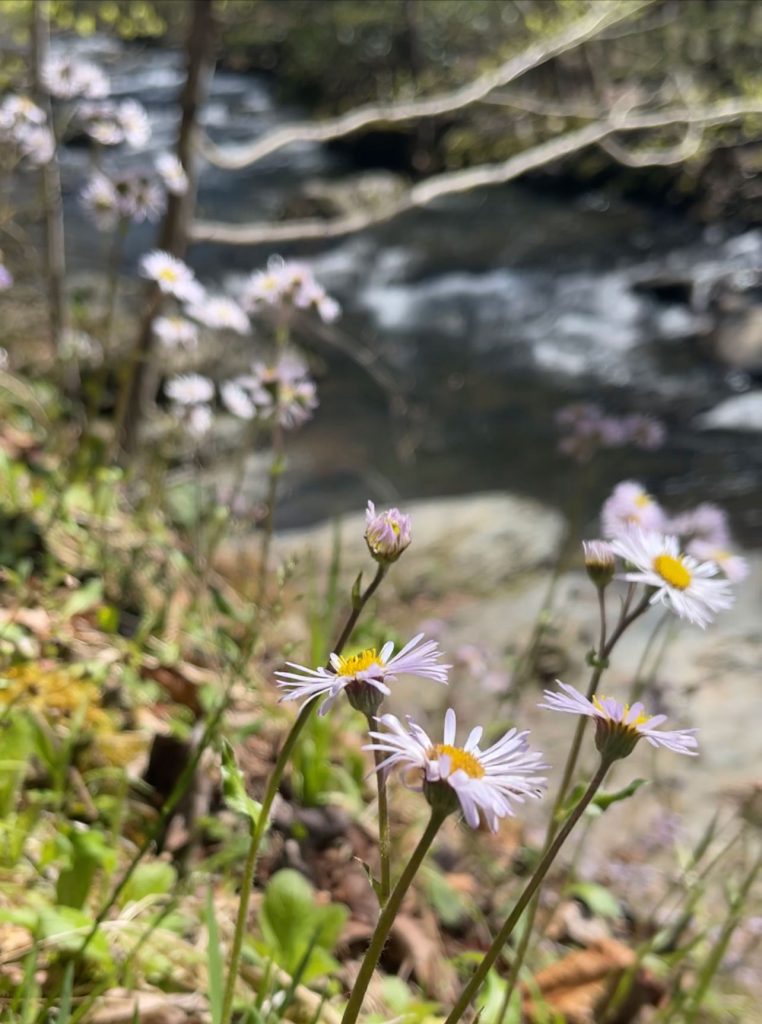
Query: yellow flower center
{"points": [[460, 760], [168, 274], [640, 720], [673, 571], [358, 662], [643, 500]]}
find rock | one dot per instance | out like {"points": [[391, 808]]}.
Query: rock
{"points": [[737, 340], [741, 412], [475, 542]]}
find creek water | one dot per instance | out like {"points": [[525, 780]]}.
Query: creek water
{"points": [[483, 315]]}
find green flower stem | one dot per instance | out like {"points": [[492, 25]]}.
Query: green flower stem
{"points": [[606, 645], [273, 783], [387, 916], [384, 836], [531, 888]]}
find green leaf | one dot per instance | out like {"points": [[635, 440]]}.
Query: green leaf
{"points": [[292, 921], [84, 599], [156, 878], [597, 898], [234, 787], [605, 800]]}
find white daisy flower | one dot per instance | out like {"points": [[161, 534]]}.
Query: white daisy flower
{"points": [[171, 275], [133, 120], [175, 331], [37, 144], [485, 783], [681, 581], [101, 201], [365, 676], [18, 111], [189, 389], [199, 420], [618, 726], [220, 313], [630, 505], [66, 78], [238, 400], [734, 567], [172, 173]]}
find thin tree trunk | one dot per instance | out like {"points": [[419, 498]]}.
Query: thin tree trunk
{"points": [[55, 258], [141, 384]]}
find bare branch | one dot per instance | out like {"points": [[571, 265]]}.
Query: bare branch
{"points": [[688, 147], [455, 182], [604, 14]]}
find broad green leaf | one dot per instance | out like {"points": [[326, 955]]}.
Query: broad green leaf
{"points": [[605, 800], [156, 878]]}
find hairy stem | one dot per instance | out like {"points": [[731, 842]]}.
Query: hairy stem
{"points": [[531, 888], [386, 919]]}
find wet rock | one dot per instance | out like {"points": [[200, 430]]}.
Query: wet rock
{"points": [[737, 340], [741, 412]]}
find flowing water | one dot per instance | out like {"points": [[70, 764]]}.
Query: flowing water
{"points": [[484, 314]]}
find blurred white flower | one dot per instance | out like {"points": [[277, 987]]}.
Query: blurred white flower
{"points": [[189, 389], [100, 200], [175, 331], [133, 120], [630, 505], [67, 78], [238, 400], [171, 275], [220, 313], [172, 173]]}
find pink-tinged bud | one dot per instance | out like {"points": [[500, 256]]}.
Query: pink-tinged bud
{"points": [[599, 561], [387, 534]]}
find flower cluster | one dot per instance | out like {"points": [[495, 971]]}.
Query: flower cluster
{"points": [[191, 396], [282, 391], [687, 559], [69, 78], [289, 284], [24, 126], [129, 196], [587, 429]]}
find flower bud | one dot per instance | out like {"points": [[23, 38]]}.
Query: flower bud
{"points": [[614, 740], [387, 534], [599, 561]]}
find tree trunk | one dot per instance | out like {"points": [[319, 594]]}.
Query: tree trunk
{"points": [[173, 238]]}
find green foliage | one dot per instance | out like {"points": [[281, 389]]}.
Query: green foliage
{"points": [[299, 932], [234, 787]]}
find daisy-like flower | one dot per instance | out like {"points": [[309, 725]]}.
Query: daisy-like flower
{"points": [[264, 288], [484, 783], [66, 78], [20, 111], [706, 522], [238, 400], [296, 403], [221, 314], [172, 173], [364, 676], [171, 275], [189, 389], [199, 420], [618, 727], [141, 197], [733, 567], [387, 534], [175, 332], [100, 200], [134, 123], [680, 580], [630, 505], [36, 143]]}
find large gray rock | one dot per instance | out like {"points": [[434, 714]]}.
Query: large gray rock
{"points": [[474, 542]]}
